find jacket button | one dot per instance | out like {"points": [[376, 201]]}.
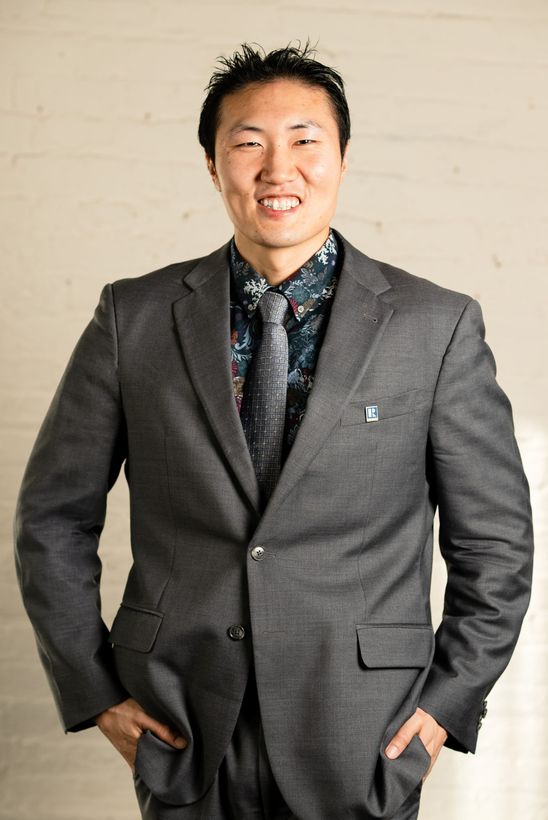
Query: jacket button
{"points": [[258, 553], [484, 710], [236, 632]]}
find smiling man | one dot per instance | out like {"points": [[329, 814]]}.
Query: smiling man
{"points": [[278, 163], [290, 414]]}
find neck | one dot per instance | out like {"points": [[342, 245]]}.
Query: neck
{"points": [[278, 264]]}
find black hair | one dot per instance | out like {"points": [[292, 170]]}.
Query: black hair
{"points": [[251, 66]]}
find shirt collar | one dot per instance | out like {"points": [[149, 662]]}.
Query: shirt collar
{"points": [[304, 289]]}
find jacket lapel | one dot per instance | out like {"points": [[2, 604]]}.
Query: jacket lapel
{"points": [[357, 322], [202, 319]]}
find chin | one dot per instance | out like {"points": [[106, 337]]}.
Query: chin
{"points": [[283, 240]]}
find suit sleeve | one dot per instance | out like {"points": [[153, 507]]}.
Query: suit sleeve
{"points": [[486, 537], [59, 517]]}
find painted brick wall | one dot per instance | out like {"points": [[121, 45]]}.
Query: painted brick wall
{"points": [[102, 177]]}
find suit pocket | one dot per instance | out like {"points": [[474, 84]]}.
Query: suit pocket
{"points": [[169, 773], [400, 654], [135, 628], [395, 645], [375, 409]]}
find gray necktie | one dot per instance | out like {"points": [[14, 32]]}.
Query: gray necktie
{"points": [[265, 392]]}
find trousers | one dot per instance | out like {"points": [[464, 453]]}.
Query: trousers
{"points": [[244, 787]]}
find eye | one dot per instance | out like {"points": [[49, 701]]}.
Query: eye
{"points": [[305, 141], [246, 144]]}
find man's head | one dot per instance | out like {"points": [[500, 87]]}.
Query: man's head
{"points": [[250, 66], [275, 129]]}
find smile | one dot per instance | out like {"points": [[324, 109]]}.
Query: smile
{"points": [[280, 204]]}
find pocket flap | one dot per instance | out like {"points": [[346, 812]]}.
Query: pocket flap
{"points": [[383, 645], [135, 628]]}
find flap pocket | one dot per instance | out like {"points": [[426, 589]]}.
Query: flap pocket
{"points": [[383, 645], [135, 628], [375, 409]]}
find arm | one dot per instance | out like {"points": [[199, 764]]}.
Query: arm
{"points": [[59, 518], [486, 540], [486, 536]]}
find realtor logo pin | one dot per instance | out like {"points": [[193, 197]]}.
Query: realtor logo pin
{"points": [[372, 412]]}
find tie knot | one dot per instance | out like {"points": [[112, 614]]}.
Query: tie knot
{"points": [[274, 307]]}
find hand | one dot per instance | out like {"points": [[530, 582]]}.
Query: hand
{"points": [[428, 729], [124, 723]]}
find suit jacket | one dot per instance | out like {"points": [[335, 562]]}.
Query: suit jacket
{"points": [[405, 416]]}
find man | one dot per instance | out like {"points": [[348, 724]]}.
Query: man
{"points": [[290, 413]]}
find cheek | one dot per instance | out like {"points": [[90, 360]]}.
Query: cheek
{"points": [[324, 174], [237, 181], [237, 201]]}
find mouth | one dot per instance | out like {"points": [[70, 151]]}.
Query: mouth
{"points": [[282, 203]]}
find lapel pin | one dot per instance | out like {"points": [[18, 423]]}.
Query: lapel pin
{"points": [[371, 412]]}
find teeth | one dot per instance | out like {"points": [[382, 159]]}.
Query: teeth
{"points": [[280, 204]]}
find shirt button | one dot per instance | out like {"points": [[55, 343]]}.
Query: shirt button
{"points": [[300, 308], [236, 632], [257, 553]]}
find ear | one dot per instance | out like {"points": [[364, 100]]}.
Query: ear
{"points": [[212, 172], [344, 163]]}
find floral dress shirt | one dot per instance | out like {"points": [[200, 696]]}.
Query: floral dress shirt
{"points": [[310, 291]]}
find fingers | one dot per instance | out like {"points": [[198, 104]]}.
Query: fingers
{"points": [[402, 738], [124, 723], [421, 724], [430, 732], [164, 732]]}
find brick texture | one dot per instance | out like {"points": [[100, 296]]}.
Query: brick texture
{"points": [[102, 177]]}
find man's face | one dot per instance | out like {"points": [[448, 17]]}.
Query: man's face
{"points": [[278, 164]]}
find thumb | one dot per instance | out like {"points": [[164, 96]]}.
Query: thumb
{"points": [[400, 740], [167, 734]]}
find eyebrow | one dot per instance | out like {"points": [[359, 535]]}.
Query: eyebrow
{"points": [[243, 126]]}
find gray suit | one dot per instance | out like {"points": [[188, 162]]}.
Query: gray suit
{"points": [[405, 415]]}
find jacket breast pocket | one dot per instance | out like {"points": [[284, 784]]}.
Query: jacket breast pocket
{"points": [[375, 409], [135, 628]]}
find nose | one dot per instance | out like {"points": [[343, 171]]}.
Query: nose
{"points": [[278, 165]]}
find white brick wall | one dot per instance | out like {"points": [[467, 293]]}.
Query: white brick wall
{"points": [[102, 177]]}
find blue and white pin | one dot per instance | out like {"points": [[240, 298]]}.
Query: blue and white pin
{"points": [[372, 412]]}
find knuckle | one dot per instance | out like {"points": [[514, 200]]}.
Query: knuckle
{"points": [[402, 738]]}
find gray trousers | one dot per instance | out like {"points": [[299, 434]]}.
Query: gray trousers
{"points": [[244, 787]]}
